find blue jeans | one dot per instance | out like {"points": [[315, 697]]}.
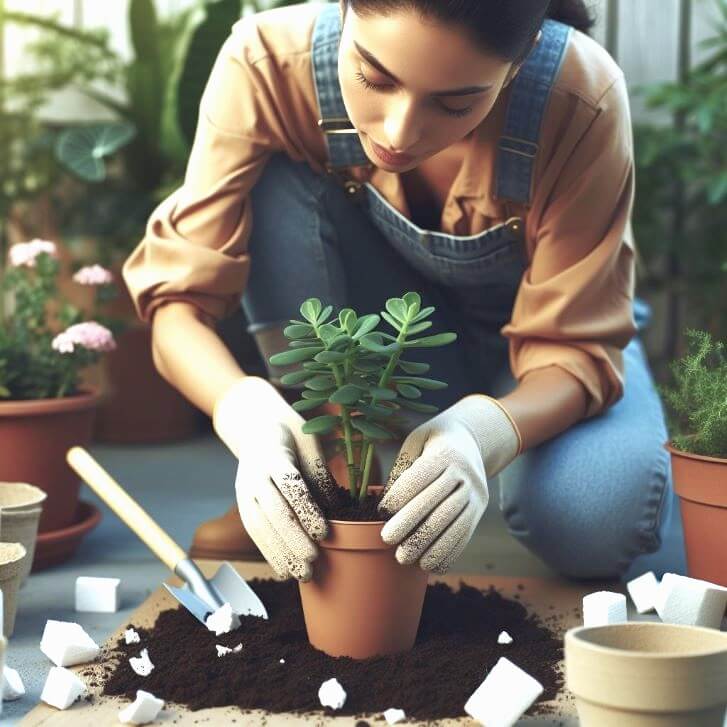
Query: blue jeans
{"points": [[593, 502]]}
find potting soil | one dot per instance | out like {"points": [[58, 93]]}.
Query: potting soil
{"points": [[456, 646]]}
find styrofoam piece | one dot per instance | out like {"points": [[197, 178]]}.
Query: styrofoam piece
{"points": [[62, 688], [66, 643], [282, 661], [504, 638], [222, 650], [13, 687], [131, 636], [141, 664], [604, 607], [97, 595], [223, 620], [504, 695], [332, 694], [143, 709], [643, 591], [690, 601], [392, 715]]}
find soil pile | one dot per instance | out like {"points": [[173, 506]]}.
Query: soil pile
{"points": [[456, 647]]}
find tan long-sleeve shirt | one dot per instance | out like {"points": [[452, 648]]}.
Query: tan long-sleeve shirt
{"points": [[574, 305]]}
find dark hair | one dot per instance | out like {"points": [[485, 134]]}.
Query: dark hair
{"points": [[507, 27]]}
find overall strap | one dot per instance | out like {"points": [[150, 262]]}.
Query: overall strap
{"points": [[344, 145], [518, 145]]}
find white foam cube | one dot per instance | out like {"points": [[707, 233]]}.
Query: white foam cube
{"points": [[503, 696], [66, 643], [504, 638], [131, 636], [223, 620], [97, 595], [13, 687], [392, 716], [143, 709], [643, 591], [331, 694], [690, 601], [141, 664], [282, 661], [604, 607], [62, 688]]}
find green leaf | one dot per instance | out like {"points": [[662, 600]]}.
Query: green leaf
{"points": [[418, 328], [325, 313], [303, 343], [391, 321], [295, 356], [374, 431], [317, 394], [347, 318], [432, 384], [328, 332], [322, 424], [382, 393], [82, 149], [417, 406], [317, 368], [331, 356], [440, 339], [423, 313], [397, 308], [308, 404], [297, 331], [413, 303], [343, 340], [365, 325], [321, 382], [373, 411], [295, 377], [311, 309], [413, 367], [408, 391], [370, 343], [348, 394]]}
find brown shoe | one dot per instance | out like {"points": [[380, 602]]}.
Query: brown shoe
{"points": [[224, 538]]}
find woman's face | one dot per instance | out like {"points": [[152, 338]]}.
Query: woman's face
{"points": [[421, 70]]}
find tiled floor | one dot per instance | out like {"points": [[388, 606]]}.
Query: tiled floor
{"points": [[181, 485]]}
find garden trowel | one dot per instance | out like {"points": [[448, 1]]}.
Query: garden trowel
{"points": [[200, 596]]}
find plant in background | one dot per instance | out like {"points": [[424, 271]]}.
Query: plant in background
{"points": [[345, 361], [45, 342], [698, 399]]}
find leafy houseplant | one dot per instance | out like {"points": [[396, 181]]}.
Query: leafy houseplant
{"points": [[345, 361], [349, 363], [698, 423], [45, 343]]}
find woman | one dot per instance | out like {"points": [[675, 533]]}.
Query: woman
{"points": [[479, 153]]}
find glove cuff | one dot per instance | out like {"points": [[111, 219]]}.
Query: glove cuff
{"points": [[498, 436]]}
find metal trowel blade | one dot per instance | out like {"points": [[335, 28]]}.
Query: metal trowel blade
{"points": [[196, 606], [235, 590]]}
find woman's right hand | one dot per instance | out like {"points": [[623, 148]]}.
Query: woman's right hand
{"points": [[276, 459]]}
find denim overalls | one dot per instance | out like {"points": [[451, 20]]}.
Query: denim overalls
{"points": [[587, 502]]}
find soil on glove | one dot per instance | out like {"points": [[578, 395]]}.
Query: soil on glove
{"points": [[456, 647]]}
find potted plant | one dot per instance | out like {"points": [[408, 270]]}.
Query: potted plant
{"points": [[360, 601], [45, 343], [697, 417]]}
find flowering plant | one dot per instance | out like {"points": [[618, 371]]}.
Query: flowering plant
{"points": [[44, 341]]}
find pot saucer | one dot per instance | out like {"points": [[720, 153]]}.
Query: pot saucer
{"points": [[55, 546]]}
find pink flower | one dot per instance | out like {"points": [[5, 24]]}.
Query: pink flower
{"points": [[93, 275], [90, 335], [24, 253]]}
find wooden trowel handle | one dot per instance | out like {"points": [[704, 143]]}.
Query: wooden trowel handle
{"points": [[125, 507]]}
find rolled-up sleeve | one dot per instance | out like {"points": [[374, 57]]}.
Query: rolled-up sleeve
{"points": [[574, 307], [195, 244]]}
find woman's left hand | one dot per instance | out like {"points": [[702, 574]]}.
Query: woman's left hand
{"points": [[437, 490]]}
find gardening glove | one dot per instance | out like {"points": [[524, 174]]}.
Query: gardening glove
{"points": [[437, 490], [276, 460]]}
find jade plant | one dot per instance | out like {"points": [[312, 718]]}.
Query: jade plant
{"points": [[698, 399], [345, 361]]}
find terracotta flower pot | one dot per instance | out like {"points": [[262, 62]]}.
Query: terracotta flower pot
{"points": [[701, 484], [361, 602], [34, 438], [647, 674]]}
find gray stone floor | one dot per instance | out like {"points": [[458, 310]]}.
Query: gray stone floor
{"points": [[181, 485]]}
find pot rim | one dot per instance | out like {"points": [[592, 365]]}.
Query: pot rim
{"points": [[372, 523], [87, 398], [575, 636], [690, 455]]}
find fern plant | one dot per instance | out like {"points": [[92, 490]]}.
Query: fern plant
{"points": [[697, 402], [346, 361]]}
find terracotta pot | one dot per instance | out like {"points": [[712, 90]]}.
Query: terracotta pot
{"points": [[139, 406], [361, 602], [701, 484], [647, 674], [34, 438]]}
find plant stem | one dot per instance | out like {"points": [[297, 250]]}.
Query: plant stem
{"points": [[346, 417]]}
